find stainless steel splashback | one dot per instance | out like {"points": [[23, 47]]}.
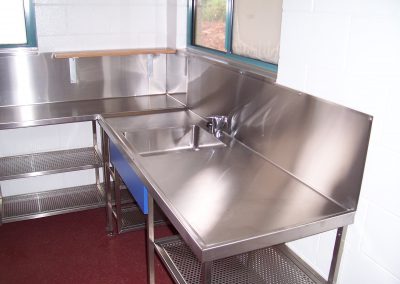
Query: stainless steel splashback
{"points": [[321, 143], [30, 79]]}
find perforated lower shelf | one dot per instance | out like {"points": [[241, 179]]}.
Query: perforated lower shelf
{"points": [[42, 204], [48, 163], [133, 218], [269, 265], [126, 196]]}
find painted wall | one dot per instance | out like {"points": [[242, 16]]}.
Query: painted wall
{"points": [[348, 52], [100, 24], [176, 23]]}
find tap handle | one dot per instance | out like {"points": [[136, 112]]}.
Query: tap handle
{"points": [[217, 122]]}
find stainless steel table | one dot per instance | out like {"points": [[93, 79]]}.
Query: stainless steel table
{"points": [[224, 201], [85, 110], [46, 203]]}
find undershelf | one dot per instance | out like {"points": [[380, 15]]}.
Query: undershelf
{"points": [[48, 163], [272, 265], [133, 219], [54, 202], [126, 197]]}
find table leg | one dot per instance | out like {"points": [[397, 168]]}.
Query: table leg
{"points": [[117, 194], [107, 183], [96, 147], [150, 241], [337, 254], [206, 272]]}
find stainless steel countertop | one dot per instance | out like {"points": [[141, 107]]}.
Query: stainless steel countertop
{"points": [[225, 200], [75, 111]]}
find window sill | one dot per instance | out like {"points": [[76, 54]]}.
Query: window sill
{"points": [[223, 59], [18, 51]]}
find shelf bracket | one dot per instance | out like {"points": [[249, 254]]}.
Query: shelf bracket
{"points": [[150, 66], [72, 70]]}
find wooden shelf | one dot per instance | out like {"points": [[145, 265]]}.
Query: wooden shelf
{"points": [[117, 52]]}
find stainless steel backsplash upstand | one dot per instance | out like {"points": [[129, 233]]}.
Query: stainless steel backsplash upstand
{"points": [[32, 79]]}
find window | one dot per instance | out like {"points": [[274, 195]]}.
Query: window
{"points": [[210, 24], [17, 24], [246, 30]]}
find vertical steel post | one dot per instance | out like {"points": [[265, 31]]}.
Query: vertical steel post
{"points": [[117, 193], [206, 272], [337, 254], [96, 147], [150, 241], [107, 184]]}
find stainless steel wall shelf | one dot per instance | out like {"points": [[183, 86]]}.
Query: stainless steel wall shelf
{"points": [[48, 203], [48, 163], [270, 265]]}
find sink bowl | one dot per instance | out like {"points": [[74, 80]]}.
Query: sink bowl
{"points": [[164, 140]]}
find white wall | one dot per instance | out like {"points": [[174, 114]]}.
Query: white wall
{"points": [[66, 25], [177, 21], [171, 23], [349, 52]]}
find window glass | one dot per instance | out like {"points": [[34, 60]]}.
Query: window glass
{"points": [[210, 24], [256, 29], [12, 22]]}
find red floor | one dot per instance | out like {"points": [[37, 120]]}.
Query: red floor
{"points": [[73, 248]]}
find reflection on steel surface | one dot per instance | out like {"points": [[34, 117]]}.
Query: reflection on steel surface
{"points": [[217, 123]]}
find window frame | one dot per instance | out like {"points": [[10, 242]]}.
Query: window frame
{"points": [[30, 28], [228, 38]]}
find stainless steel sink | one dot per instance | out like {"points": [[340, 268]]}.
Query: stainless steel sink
{"points": [[164, 140]]}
